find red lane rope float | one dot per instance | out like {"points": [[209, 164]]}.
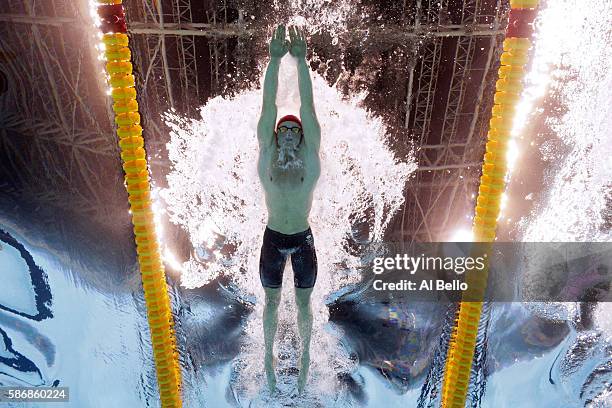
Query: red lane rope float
{"points": [[129, 131], [492, 184]]}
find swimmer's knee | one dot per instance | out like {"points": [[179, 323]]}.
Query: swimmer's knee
{"points": [[273, 296], [302, 296]]}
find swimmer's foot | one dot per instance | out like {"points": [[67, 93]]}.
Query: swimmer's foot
{"points": [[303, 377], [270, 364]]}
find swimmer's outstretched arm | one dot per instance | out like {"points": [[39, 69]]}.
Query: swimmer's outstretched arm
{"points": [[265, 128], [310, 124]]}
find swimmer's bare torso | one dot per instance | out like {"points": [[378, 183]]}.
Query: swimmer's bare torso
{"points": [[288, 192]]}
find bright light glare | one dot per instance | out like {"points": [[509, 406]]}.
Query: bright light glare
{"points": [[512, 155], [462, 235], [502, 205], [171, 260]]}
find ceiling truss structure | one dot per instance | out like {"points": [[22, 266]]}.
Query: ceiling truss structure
{"points": [[56, 136], [439, 198]]}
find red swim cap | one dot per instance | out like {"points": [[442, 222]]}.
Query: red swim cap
{"points": [[286, 118]]}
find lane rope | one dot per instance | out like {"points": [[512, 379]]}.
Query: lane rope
{"points": [[135, 166], [509, 86]]}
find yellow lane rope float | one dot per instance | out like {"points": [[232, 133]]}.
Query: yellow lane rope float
{"points": [[492, 184], [129, 131]]}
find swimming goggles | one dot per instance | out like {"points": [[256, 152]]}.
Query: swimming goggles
{"points": [[295, 129]]}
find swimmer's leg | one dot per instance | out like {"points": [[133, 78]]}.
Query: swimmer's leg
{"points": [[270, 322], [302, 296]]}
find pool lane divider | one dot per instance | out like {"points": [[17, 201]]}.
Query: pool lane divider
{"points": [[488, 203], [129, 130]]}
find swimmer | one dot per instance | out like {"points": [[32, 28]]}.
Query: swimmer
{"points": [[288, 168]]}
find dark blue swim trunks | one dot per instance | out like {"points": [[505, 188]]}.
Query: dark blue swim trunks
{"points": [[274, 251]]}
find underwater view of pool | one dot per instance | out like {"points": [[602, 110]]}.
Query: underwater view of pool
{"points": [[73, 309]]}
